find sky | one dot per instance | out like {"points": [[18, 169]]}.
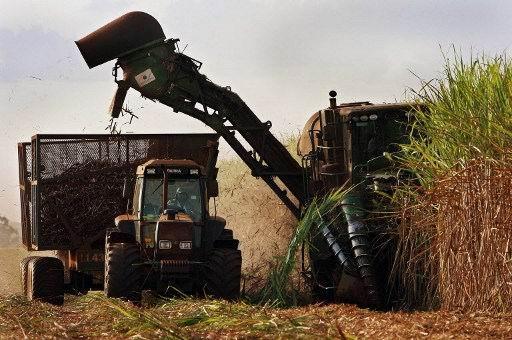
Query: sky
{"points": [[281, 57]]}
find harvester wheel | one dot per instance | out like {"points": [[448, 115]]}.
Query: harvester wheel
{"points": [[122, 277], [222, 273], [44, 277]]}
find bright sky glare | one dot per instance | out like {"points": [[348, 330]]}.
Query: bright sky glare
{"points": [[281, 57]]}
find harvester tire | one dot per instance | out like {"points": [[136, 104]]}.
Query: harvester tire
{"points": [[44, 277], [222, 273], [123, 278]]}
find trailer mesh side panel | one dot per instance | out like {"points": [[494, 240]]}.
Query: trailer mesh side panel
{"points": [[25, 178], [78, 181]]}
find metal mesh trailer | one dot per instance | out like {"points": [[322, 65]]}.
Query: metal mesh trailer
{"points": [[71, 185]]}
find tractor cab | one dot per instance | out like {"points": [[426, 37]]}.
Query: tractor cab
{"points": [[174, 189], [169, 192]]}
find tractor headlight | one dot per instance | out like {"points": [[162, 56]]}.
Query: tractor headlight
{"points": [[186, 245], [164, 244]]}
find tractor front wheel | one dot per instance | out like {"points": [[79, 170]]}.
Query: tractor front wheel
{"points": [[122, 275], [222, 273]]}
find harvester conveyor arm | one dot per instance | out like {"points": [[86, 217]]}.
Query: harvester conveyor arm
{"points": [[159, 71], [247, 157], [179, 85]]}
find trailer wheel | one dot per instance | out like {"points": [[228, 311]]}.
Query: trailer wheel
{"points": [[44, 277], [222, 273], [24, 274], [122, 278]]}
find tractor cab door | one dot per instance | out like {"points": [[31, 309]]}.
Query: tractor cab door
{"points": [[151, 204]]}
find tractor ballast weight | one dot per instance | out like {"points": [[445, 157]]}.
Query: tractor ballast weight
{"points": [[339, 142]]}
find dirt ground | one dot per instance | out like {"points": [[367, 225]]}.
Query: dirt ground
{"points": [[94, 316]]}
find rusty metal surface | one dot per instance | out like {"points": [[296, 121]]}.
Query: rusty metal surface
{"points": [[77, 182], [123, 35]]}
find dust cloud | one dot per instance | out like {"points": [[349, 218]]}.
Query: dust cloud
{"points": [[258, 218]]}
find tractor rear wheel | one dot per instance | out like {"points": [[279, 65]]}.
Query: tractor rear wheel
{"points": [[122, 276], [222, 273], [43, 279]]}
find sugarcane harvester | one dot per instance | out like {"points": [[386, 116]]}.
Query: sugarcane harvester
{"points": [[330, 145]]}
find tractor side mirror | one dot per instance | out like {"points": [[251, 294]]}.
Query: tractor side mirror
{"points": [[213, 188], [170, 213]]}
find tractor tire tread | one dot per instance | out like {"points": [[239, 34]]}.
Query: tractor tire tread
{"points": [[122, 279], [47, 283], [24, 273], [222, 273]]}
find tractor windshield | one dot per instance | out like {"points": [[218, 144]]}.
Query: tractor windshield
{"points": [[183, 195]]}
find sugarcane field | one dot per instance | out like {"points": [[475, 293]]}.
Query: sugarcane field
{"points": [[257, 169]]}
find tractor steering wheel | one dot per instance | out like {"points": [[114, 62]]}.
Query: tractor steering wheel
{"points": [[176, 208]]}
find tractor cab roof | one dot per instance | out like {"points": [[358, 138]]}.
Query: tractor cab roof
{"points": [[170, 163]]}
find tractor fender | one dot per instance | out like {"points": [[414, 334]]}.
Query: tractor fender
{"points": [[125, 224], [226, 243], [118, 236], [212, 231]]}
